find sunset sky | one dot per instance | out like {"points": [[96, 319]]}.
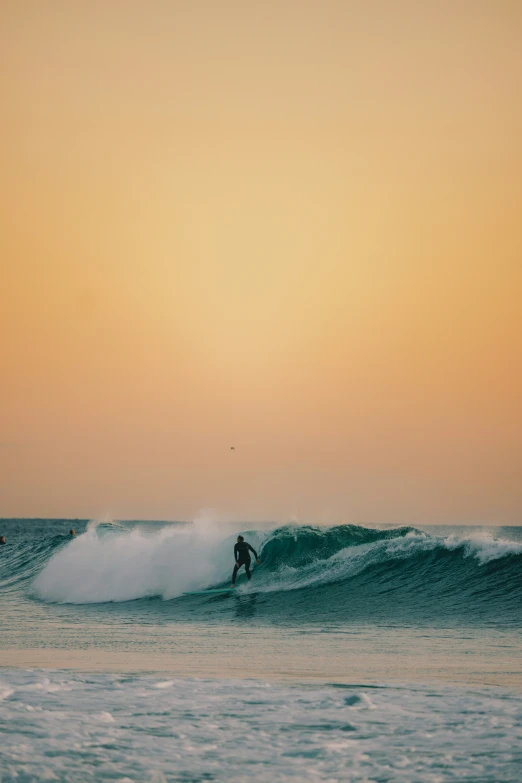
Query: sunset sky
{"points": [[291, 227]]}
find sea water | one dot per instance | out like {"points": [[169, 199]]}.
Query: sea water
{"points": [[355, 654]]}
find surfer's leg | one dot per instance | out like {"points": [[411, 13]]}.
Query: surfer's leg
{"points": [[247, 569], [234, 573]]}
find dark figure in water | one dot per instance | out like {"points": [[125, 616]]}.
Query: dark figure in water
{"points": [[2, 540], [242, 557], [72, 532]]}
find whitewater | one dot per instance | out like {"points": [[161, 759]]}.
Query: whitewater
{"points": [[356, 653]]}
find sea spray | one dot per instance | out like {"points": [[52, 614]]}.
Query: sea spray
{"points": [[114, 563]]}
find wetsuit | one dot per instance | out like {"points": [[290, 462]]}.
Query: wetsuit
{"points": [[242, 557]]}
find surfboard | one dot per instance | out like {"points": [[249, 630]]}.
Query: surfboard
{"points": [[210, 592]]}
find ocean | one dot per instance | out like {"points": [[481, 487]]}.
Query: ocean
{"points": [[355, 654]]}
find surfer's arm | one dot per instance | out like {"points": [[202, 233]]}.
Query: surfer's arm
{"points": [[253, 550], [235, 553]]}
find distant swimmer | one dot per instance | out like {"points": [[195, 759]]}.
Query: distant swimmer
{"points": [[2, 540], [242, 557], [72, 532]]}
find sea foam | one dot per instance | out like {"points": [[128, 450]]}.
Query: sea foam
{"points": [[121, 565]]}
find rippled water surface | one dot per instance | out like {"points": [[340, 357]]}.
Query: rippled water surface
{"points": [[70, 726]]}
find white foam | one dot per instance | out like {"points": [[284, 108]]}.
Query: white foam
{"points": [[106, 717], [216, 729], [484, 547], [5, 692], [115, 565]]}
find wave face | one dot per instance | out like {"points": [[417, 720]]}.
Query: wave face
{"points": [[307, 573], [403, 574]]}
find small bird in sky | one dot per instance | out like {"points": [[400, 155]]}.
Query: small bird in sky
{"points": [[232, 448]]}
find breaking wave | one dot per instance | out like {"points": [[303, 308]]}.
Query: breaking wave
{"points": [[306, 572]]}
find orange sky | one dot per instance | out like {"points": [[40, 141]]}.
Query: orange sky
{"points": [[294, 227]]}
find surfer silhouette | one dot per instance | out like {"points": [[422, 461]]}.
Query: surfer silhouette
{"points": [[242, 557]]}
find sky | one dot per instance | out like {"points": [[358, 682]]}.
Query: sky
{"points": [[292, 227]]}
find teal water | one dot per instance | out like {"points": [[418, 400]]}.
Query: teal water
{"points": [[420, 626]]}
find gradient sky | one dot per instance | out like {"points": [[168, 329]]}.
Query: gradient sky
{"points": [[291, 227]]}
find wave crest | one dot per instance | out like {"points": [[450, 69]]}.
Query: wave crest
{"points": [[308, 572]]}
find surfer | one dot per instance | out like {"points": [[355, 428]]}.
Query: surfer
{"points": [[2, 540], [242, 557]]}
